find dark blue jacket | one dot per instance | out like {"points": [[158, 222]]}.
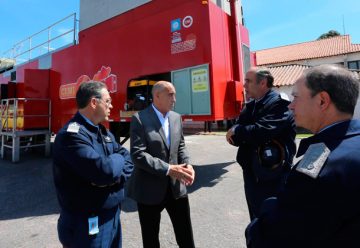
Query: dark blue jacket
{"points": [[271, 119], [90, 168], [322, 210]]}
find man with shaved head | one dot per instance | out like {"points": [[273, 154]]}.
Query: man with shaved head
{"points": [[162, 170]]}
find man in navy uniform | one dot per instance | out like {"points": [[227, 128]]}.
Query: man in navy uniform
{"points": [[319, 205], [90, 169], [265, 134]]}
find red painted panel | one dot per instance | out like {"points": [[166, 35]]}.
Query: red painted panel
{"points": [[138, 43], [20, 70], [36, 83], [12, 89], [133, 49]]}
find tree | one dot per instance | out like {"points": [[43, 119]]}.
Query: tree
{"points": [[331, 33]]}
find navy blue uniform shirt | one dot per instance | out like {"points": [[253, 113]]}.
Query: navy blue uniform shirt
{"points": [[261, 122], [319, 205], [90, 168]]}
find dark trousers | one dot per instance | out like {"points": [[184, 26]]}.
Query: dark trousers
{"points": [[73, 230], [257, 191], [179, 212]]}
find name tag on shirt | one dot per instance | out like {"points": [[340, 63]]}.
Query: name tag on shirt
{"points": [[93, 225]]}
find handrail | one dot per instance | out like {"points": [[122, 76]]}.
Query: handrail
{"points": [[14, 53], [9, 110]]}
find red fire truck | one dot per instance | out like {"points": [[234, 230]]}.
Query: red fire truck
{"points": [[200, 46]]}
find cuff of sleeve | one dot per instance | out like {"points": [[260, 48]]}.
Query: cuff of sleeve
{"points": [[233, 129], [168, 169]]}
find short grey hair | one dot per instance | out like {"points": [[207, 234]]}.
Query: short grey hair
{"points": [[341, 85], [264, 73], [88, 90]]}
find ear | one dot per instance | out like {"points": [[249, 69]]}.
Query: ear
{"points": [[263, 83], [324, 100], [156, 95], [93, 103]]}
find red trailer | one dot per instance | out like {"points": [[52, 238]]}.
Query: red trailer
{"points": [[200, 46]]}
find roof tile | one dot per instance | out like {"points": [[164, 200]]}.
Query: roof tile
{"points": [[287, 74], [308, 50]]}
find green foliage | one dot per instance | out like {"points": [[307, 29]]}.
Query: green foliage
{"points": [[331, 33]]}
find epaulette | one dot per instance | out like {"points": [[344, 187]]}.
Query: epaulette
{"points": [[73, 127], [314, 159]]}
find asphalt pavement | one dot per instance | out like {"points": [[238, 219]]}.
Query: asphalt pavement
{"points": [[29, 208]]}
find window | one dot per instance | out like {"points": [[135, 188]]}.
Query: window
{"points": [[354, 65]]}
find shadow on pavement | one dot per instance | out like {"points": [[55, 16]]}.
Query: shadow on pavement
{"points": [[206, 176], [27, 188]]}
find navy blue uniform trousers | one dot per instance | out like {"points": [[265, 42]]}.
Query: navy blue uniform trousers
{"points": [[74, 229]]}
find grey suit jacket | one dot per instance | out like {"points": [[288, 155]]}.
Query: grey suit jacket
{"points": [[151, 157]]}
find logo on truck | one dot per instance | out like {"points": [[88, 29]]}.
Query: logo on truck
{"points": [[175, 25], [187, 21], [104, 75]]}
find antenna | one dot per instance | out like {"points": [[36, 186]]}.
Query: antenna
{"points": [[343, 21]]}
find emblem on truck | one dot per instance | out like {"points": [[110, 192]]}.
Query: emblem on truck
{"points": [[104, 75]]}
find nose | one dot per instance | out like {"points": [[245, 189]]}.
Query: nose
{"points": [[245, 85], [291, 105]]}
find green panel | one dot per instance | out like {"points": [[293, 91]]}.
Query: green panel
{"points": [[200, 90], [192, 90], [181, 81]]}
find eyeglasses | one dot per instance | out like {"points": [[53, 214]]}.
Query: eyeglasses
{"points": [[107, 102]]}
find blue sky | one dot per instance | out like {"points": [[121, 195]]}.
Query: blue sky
{"points": [[22, 18], [271, 22]]}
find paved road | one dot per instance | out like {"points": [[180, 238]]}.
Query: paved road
{"points": [[29, 209]]}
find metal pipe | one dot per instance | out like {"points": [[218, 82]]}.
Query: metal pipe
{"points": [[235, 41]]}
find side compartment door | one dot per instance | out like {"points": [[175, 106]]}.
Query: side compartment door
{"points": [[192, 90]]}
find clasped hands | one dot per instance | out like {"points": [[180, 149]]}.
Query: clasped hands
{"points": [[230, 133], [182, 172]]}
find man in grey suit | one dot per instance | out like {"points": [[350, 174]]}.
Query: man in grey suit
{"points": [[161, 171]]}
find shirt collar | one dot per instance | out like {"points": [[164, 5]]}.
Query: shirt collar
{"points": [[88, 121], [331, 133], [159, 114], [333, 124]]}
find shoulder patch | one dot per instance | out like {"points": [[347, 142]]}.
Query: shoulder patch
{"points": [[313, 160], [284, 96], [73, 127]]}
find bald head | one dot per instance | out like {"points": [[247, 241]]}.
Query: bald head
{"points": [[164, 99], [160, 86]]}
